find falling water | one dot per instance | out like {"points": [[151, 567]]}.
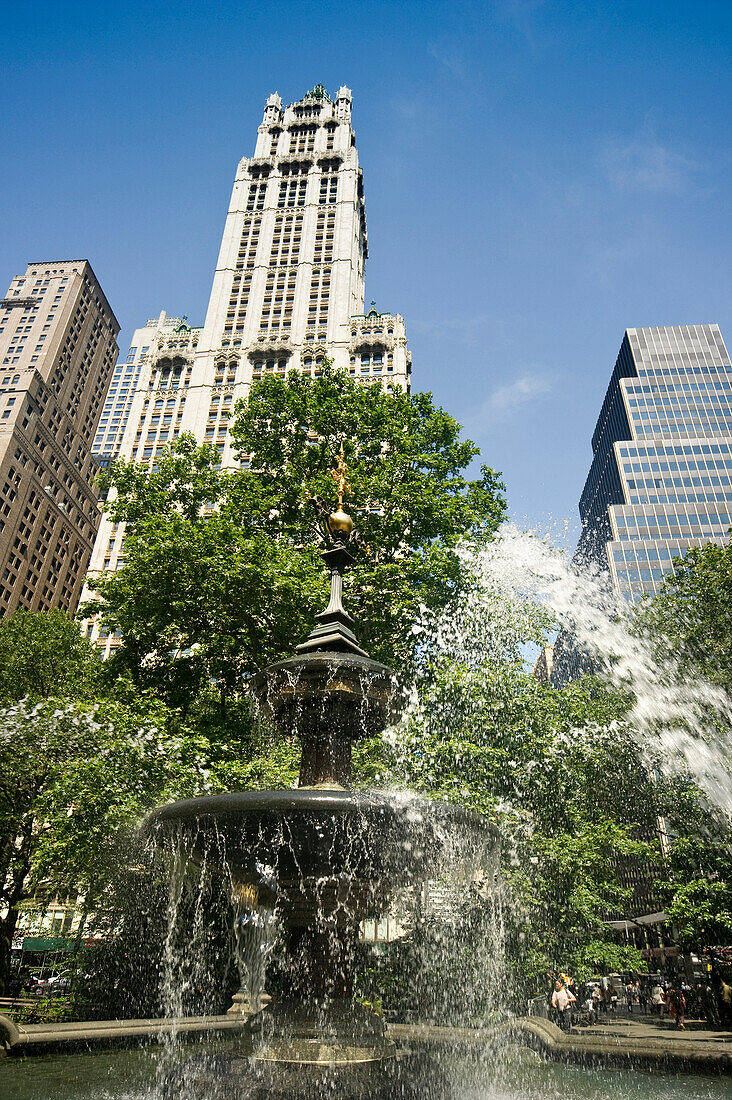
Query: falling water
{"points": [[524, 583]]}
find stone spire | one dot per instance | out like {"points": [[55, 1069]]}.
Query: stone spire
{"points": [[272, 110]]}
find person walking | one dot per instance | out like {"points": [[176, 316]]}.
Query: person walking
{"points": [[677, 1006], [725, 1003], [709, 1005], [562, 1001], [613, 998], [589, 1007], [657, 1001]]}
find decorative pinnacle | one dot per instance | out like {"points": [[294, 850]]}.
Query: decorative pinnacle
{"points": [[334, 631], [339, 522]]}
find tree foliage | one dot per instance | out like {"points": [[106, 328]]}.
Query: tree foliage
{"points": [[412, 502], [559, 773], [71, 775], [691, 618], [692, 614], [204, 594], [697, 875], [43, 655], [221, 572]]}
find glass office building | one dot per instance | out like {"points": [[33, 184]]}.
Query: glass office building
{"points": [[661, 474]]}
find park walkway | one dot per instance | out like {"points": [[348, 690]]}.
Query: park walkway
{"points": [[649, 1029], [646, 1039]]}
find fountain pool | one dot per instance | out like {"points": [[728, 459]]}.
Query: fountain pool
{"points": [[512, 1074]]}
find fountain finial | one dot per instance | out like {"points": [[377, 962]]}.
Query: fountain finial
{"points": [[339, 522], [335, 626]]}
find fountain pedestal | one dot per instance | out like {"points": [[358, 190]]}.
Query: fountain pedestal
{"points": [[333, 857]]}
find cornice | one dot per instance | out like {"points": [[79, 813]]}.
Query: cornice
{"points": [[374, 340]]}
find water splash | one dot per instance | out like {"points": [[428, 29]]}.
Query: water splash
{"points": [[522, 582]]}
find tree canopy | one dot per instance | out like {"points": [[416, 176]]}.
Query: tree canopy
{"points": [[221, 573], [559, 772], [71, 775], [692, 614], [691, 618], [44, 655]]}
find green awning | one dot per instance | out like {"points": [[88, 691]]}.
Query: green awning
{"points": [[48, 943]]}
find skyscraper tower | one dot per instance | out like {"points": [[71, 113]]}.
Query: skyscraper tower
{"points": [[661, 474], [57, 349], [288, 292]]}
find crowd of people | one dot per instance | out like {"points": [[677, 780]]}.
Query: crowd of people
{"points": [[640, 995]]}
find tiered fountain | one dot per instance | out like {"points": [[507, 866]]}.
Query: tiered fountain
{"points": [[324, 858]]}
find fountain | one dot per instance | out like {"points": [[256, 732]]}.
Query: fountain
{"points": [[313, 863], [321, 859]]}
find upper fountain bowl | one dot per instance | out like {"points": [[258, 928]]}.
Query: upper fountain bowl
{"points": [[328, 693]]}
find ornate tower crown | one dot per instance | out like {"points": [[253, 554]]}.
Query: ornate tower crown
{"points": [[272, 109], [318, 92]]}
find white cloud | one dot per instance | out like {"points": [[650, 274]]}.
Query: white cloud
{"points": [[647, 165], [451, 60], [515, 395], [502, 405]]}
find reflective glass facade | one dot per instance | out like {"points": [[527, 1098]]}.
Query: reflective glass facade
{"points": [[661, 473]]}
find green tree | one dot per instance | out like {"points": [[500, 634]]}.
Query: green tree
{"points": [[691, 620], [558, 771], [44, 654], [691, 616], [221, 572], [72, 774], [413, 504], [697, 886]]}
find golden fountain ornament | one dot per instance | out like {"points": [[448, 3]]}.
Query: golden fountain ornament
{"points": [[340, 521]]}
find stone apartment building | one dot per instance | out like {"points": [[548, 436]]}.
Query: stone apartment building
{"points": [[57, 350]]}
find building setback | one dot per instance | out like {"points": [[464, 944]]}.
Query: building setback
{"points": [[661, 474], [125, 381], [57, 349], [288, 292]]}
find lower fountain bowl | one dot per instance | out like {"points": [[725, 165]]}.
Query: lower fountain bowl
{"points": [[319, 833]]}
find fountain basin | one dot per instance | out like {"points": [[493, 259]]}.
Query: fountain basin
{"points": [[324, 834]]}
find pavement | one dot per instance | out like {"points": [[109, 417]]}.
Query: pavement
{"points": [[645, 1042], [651, 1029]]}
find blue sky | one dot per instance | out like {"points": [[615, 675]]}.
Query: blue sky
{"points": [[539, 176]]}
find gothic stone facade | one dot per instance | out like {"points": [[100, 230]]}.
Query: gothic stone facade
{"points": [[288, 291]]}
